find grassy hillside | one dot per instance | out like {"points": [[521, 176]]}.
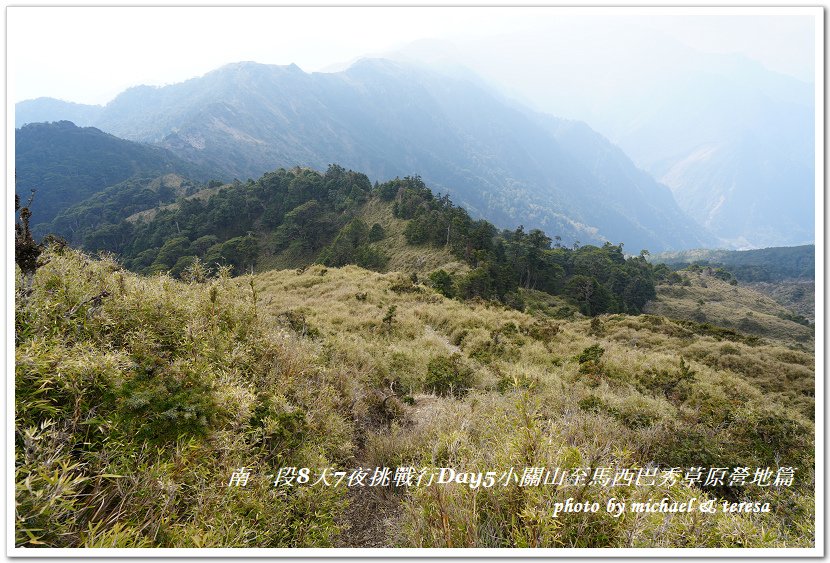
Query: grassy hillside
{"points": [[707, 299], [137, 397], [785, 274], [798, 295]]}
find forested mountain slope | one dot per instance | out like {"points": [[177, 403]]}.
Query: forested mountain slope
{"points": [[760, 265], [66, 165], [293, 218]]}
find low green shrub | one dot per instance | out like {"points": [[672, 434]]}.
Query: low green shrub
{"points": [[448, 376]]}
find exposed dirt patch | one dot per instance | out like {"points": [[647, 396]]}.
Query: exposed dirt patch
{"points": [[371, 514]]}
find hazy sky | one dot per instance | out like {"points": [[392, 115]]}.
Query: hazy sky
{"points": [[89, 55]]}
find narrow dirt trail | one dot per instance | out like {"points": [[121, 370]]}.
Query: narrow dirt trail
{"points": [[373, 513], [370, 515]]}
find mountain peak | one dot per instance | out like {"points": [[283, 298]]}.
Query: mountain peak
{"points": [[255, 67]]}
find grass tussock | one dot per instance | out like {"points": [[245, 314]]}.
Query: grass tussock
{"points": [[136, 398]]}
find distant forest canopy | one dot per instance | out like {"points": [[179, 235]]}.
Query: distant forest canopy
{"points": [[315, 215], [761, 265], [108, 207]]}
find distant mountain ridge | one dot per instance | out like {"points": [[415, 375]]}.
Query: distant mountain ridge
{"points": [[45, 110], [509, 165]]}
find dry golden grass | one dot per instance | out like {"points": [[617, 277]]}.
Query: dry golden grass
{"points": [[629, 409], [351, 351]]}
